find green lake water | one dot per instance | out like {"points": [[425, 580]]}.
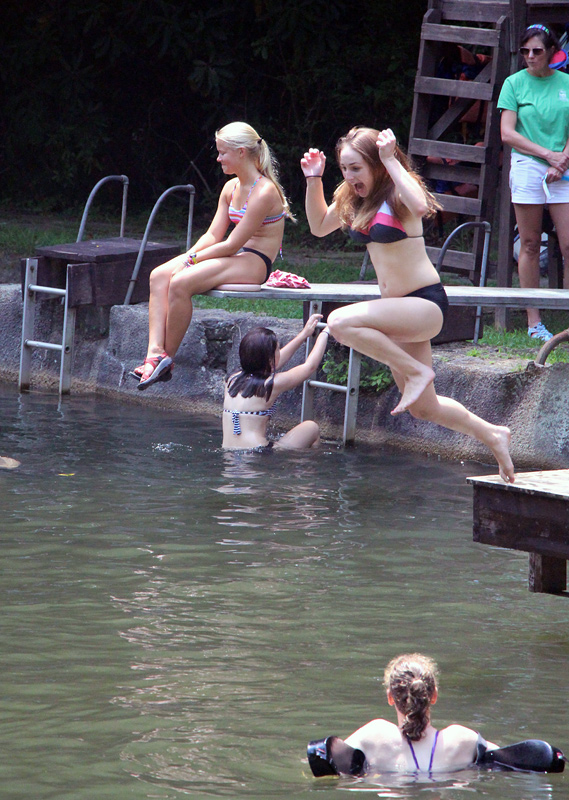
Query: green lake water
{"points": [[177, 622]]}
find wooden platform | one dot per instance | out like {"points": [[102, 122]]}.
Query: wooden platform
{"points": [[530, 515], [487, 296], [98, 271]]}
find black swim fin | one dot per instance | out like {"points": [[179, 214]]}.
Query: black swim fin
{"points": [[332, 756], [533, 755]]}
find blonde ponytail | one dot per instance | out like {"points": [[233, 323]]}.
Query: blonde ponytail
{"points": [[240, 134]]}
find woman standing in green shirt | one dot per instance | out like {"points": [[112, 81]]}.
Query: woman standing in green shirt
{"points": [[535, 122]]}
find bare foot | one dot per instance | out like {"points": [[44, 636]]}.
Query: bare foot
{"points": [[500, 447], [415, 385]]}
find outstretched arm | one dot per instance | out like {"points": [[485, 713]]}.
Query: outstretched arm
{"points": [[295, 376], [322, 218], [290, 348]]}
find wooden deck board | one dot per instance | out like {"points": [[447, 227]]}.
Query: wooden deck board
{"points": [[531, 515], [546, 483]]}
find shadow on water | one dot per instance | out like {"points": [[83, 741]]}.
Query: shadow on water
{"points": [[179, 621]]}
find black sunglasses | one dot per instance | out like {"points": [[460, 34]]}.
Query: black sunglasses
{"points": [[537, 51]]}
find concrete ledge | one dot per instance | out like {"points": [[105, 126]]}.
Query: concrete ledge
{"points": [[532, 402]]}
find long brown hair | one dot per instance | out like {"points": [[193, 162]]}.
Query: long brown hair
{"points": [[357, 212], [412, 681]]}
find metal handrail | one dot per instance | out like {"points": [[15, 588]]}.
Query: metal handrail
{"points": [[186, 188], [483, 264], [94, 190]]}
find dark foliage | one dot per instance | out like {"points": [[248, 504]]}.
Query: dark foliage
{"points": [[139, 86]]}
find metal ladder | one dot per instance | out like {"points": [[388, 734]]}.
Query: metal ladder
{"points": [[351, 390], [32, 289]]}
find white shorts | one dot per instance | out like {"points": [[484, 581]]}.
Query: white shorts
{"points": [[526, 183]]}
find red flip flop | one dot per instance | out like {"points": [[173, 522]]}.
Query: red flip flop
{"points": [[155, 368]]}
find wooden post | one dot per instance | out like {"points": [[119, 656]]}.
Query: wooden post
{"points": [[547, 574]]}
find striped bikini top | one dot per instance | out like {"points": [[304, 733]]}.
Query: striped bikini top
{"points": [[237, 214], [236, 414], [384, 228]]}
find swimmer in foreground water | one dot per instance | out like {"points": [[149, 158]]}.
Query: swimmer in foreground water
{"points": [[414, 745], [251, 392]]}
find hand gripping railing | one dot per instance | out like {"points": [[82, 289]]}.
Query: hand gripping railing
{"points": [[483, 265], [184, 188]]}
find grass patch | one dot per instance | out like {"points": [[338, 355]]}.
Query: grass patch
{"points": [[517, 344], [23, 240], [283, 309], [374, 377]]}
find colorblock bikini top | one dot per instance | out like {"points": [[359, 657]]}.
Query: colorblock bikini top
{"points": [[384, 228], [237, 214], [432, 753]]}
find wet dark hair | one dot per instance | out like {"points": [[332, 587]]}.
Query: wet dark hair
{"points": [[412, 681], [257, 356], [543, 33]]}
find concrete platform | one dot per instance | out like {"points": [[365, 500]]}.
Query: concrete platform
{"points": [[531, 401]]}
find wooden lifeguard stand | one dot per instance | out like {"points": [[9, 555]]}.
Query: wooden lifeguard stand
{"points": [[440, 104]]}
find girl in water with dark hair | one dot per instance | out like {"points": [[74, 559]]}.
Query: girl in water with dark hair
{"points": [[251, 392], [381, 202], [414, 745], [255, 202]]}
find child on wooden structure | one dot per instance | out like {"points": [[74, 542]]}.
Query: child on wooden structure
{"points": [[251, 393]]}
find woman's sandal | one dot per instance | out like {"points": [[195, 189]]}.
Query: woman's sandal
{"points": [[136, 373], [155, 368]]}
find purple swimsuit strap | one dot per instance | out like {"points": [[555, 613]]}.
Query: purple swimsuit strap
{"points": [[432, 752]]}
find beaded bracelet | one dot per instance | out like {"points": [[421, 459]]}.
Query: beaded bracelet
{"points": [[191, 259]]}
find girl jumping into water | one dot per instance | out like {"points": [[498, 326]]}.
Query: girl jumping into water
{"points": [[251, 392], [381, 202]]}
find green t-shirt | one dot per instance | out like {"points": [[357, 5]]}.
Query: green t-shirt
{"points": [[542, 106]]}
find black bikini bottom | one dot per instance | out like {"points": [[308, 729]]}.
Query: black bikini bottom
{"points": [[436, 294], [266, 259]]}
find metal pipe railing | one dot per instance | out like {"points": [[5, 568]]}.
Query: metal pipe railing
{"points": [[186, 188], [94, 190], [483, 264]]}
